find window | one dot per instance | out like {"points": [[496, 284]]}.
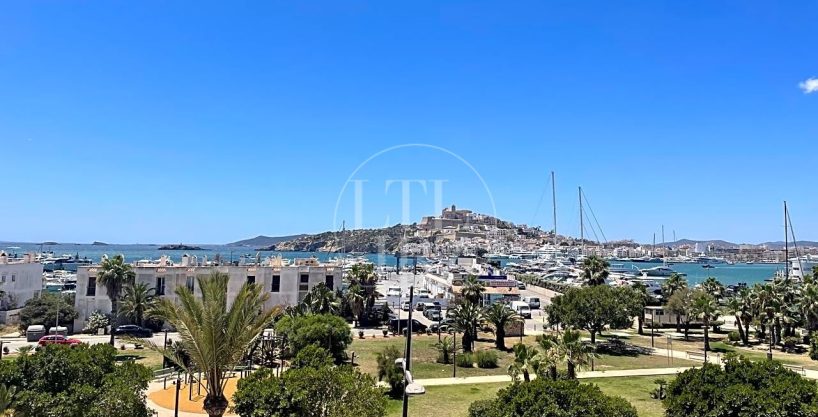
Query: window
{"points": [[4, 278], [304, 284], [13, 277], [305, 278], [251, 279], [160, 285], [329, 280], [276, 283], [190, 284], [91, 291]]}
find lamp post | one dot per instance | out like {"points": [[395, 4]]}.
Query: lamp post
{"points": [[454, 356], [165, 346], [408, 358]]}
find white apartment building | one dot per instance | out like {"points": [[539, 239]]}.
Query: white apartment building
{"points": [[286, 284], [21, 279]]}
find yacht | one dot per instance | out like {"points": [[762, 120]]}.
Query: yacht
{"points": [[659, 271]]}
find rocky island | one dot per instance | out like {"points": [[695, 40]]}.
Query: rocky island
{"points": [[179, 247]]}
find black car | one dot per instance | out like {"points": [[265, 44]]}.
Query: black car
{"points": [[133, 331]]}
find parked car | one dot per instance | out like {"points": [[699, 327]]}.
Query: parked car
{"points": [[393, 292], [58, 340], [521, 308], [520, 285], [399, 326], [533, 302], [404, 305], [133, 331], [432, 314]]}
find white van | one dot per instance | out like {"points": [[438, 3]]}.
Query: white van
{"points": [[521, 308], [532, 301]]}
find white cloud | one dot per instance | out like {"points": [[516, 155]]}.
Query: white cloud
{"points": [[809, 86]]}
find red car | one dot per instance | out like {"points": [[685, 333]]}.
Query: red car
{"points": [[58, 340]]}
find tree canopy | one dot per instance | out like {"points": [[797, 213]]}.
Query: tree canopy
{"points": [[325, 330], [79, 381], [43, 310], [546, 398], [742, 388], [592, 308], [325, 391]]}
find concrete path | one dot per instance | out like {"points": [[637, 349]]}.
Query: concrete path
{"points": [[490, 379]]}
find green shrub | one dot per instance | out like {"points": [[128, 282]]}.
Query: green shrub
{"points": [[734, 336], [813, 348], [486, 359], [791, 344], [465, 360]]}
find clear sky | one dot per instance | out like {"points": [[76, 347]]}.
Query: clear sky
{"points": [[209, 122]]}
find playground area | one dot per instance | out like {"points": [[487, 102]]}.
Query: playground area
{"points": [[191, 396]]}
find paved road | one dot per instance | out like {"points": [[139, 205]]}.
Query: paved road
{"points": [[15, 342]]}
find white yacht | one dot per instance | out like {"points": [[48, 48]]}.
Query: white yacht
{"points": [[659, 271]]}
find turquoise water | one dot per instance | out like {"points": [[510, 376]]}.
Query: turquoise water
{"points": [[136, 252], [727, 274]]}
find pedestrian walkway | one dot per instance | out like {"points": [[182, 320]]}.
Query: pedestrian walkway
{"points": [[492, 379]]}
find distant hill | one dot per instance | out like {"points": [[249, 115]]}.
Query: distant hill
{"points": [[800, 244], [261, 240]]}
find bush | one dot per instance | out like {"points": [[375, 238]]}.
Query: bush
{"points": [[543, 397], [734, 336], [813, 348], [486, 359], [465, 360], [791, 344], [97, 320], [325, 330], [763, 388], [390, 372], [312, 357]]}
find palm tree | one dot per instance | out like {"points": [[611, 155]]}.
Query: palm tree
{"points": [[550, 354], [364, 276], [713, 287], [114, 274], [7, 394], [138, 300], [679, 304], [809, 305], [356, 298], [674, 283], [499, 315], [739, 306], [705, 308], [321, 300], [577, 353], [445, 348], [594, 270], [467, 317], [525, 361], [472, 290], [214, 333]]}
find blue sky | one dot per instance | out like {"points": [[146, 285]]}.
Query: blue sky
{"points": [[214, 121]]}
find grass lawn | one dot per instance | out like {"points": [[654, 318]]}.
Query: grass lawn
{"points": [[424, 356], [147, 357], [454, 400]]}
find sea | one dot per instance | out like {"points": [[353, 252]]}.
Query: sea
{"points": [[726, 274]]}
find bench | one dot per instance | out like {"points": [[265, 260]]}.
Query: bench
{"points": [[163, 374], [797, 369], [696, 356]]}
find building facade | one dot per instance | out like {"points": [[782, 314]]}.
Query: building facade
{"points": [[21, 279], [286, 284]]}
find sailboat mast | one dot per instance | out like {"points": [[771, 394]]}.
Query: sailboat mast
{"points": [[554, 204], [786, 246], [581, 223]]}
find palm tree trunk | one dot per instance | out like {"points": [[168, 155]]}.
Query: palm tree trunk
{"points": [[741, 334], [706, 336], [215, 406], [114, 319], [572, 373], [747, 333], [687, 330], [552, 371], [526, 377], [593, 337], [500, 343], [641, 322], [678, 323]]}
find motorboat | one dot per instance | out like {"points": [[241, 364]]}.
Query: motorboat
{"points": [[659, 271]]}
